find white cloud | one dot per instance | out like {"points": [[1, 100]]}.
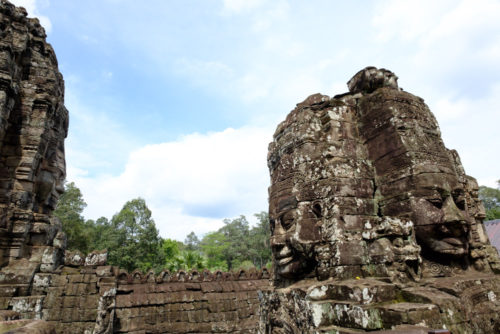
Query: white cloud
{"points": [[96, 140], [190, 184], [406, 19], [451, 109], [32, 7], [470, 126], [467, 19], [467, 34], [455, 64], [445, 35], [239, 6], [204, 73]]}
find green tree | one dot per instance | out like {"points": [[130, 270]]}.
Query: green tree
{"points": [[100, 232], [69, 210], [172, 253], [237, 234], [260, 249], [171, 248], [214, 246], [192, 243], [133, 240], [491, 201], [193, 260]]}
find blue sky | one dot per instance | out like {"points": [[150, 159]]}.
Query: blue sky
{"points": [[176, 101]]}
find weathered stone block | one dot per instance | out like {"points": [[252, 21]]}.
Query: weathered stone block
{"points": [[96, 258]]}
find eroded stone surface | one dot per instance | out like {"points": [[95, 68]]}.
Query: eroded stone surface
{"points": [[362, 186], [33, 125]]}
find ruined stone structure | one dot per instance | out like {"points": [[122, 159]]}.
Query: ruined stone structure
{"points": [[33, 125], [87, 296], [374, 222], [104, 299]]}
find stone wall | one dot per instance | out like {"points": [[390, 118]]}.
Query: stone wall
{"points": [[105, 299]]}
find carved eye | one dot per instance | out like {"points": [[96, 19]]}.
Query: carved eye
{"points": [[288, 220], [436, 201], [459, 199], [460, 202]]}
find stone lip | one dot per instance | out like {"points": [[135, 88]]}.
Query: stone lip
{"points": [[8, 315], [370, 78]]}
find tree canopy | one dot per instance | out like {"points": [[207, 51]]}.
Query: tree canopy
{"points": [[69, 210], [133, 239]]}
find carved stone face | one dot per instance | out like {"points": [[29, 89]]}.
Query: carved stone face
{"points": [[363, 185], [440, 216], [50, 180], [293, 235]]}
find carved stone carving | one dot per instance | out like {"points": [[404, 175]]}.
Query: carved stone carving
{"points": [[33, 126], [363, 188]]}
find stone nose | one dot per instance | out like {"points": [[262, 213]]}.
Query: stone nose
{"points": [[451, 211], [278, 228], [278, 240]]}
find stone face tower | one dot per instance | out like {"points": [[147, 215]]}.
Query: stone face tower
{"points": [[33, 126], [363, 188]]}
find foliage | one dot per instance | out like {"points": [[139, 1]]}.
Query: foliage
{"points": [[245, 265], [192, 260], [133, 239], [192, 243], [214, 246], [177, 256], [235, 245], [171, 248], [260, 249], [99, 233], [491, 201], [237, 235], [69, 210]]}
